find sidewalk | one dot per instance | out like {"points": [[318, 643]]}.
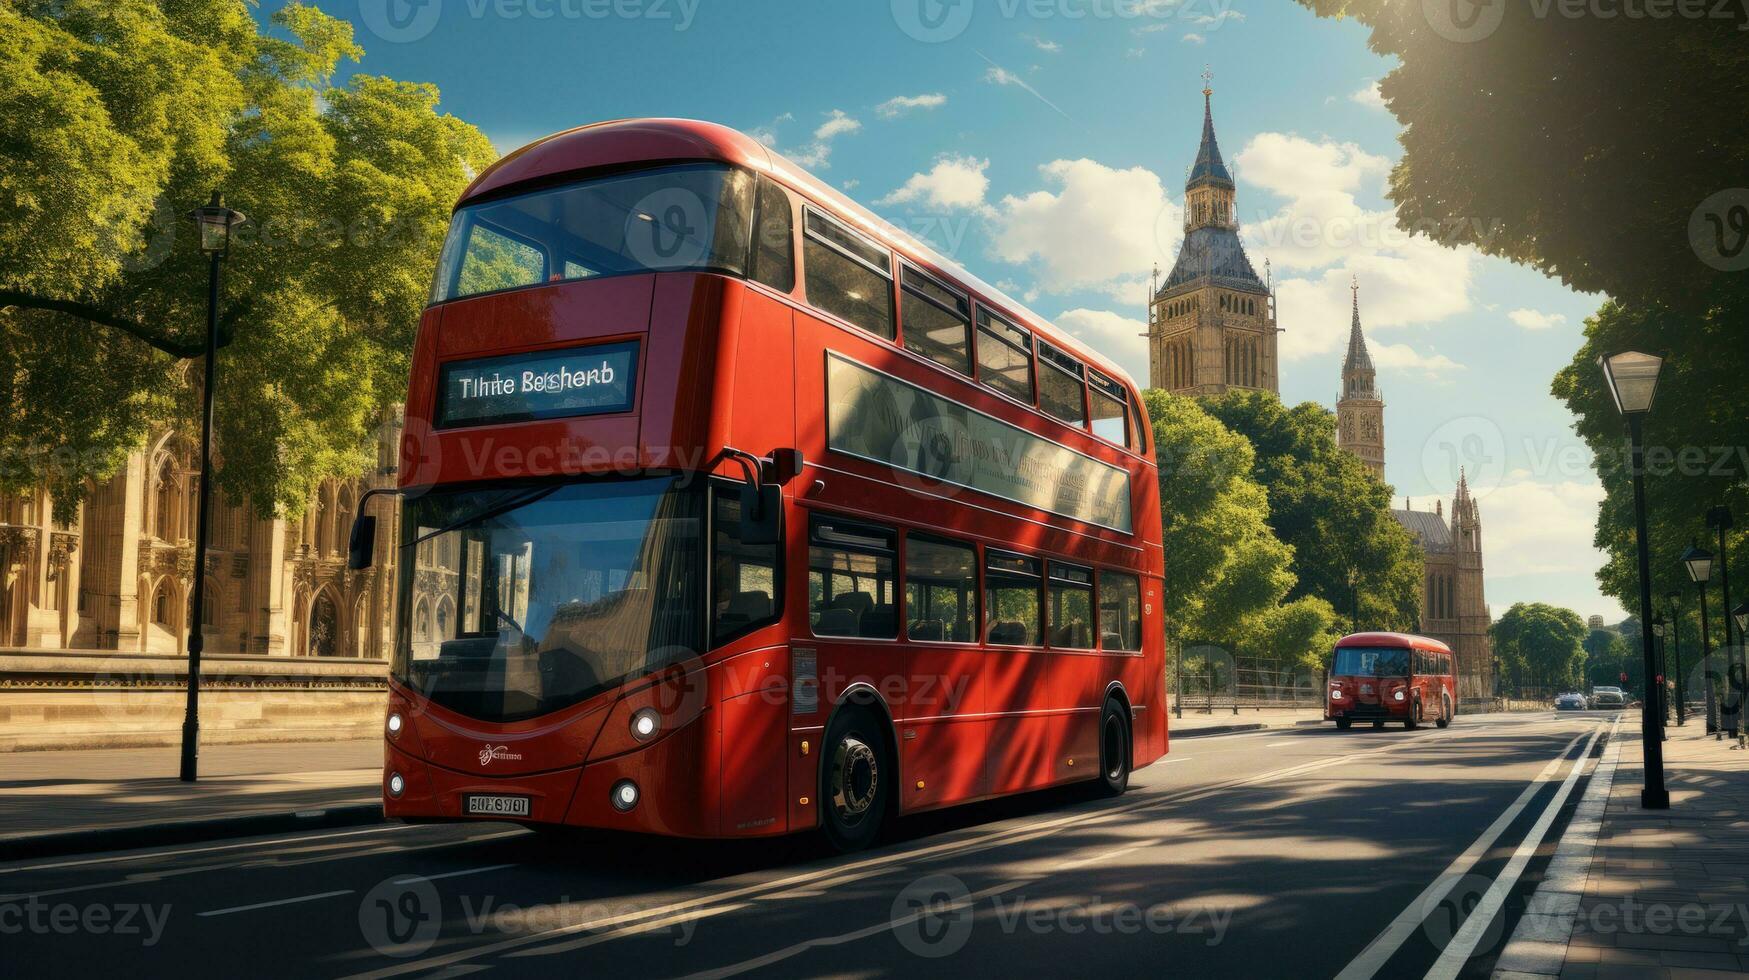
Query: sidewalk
{"points": [[88, 799], [1647, 893], [1223, 720]]}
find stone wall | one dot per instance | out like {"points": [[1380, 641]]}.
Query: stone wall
{"points": [[64, 699]]}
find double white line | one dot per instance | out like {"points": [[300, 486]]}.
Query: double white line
{"points": [[1469, 935]]}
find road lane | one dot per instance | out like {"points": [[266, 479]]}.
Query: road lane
{"points": [[1305, 832]]}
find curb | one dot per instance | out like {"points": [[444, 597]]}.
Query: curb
{"points": [[21, 846], [1214, 730]]}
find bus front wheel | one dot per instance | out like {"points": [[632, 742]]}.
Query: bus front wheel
{"points": [[1413, 720], [1345, 723], [1445, 712], [856, 779], [1114, 750]]}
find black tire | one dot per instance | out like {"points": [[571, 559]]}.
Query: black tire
{"points": [[1345, 723], [1412, 720], [1445, 711], [1376, 725], [1114, 750], [856, 778]]}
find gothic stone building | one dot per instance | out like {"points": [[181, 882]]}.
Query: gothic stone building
{"points": [[1454, 608], [119, 575], [1211, 324]]}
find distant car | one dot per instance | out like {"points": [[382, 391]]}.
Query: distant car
{"points": [[1608, 697], [1570, 702]]}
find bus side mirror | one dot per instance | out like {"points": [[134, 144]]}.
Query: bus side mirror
{"points": [[361, 548], [761, 513], [783, 466]]}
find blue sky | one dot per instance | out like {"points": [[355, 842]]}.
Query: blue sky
{"points": [[1043, 144]]}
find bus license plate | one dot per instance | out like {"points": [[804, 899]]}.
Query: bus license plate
{"points": [[497, 806]]}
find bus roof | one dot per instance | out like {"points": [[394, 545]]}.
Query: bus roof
{"points": [[1392, 640], [626, 141]]}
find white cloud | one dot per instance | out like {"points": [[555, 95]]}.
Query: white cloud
{"points": [[1406, 359], [899, 105], [767, 133], [1194, 38], [819, 152], [954, 182], [1117, 337], [1100, 228], [851, 184], [1324, 233], [1536, 319], [1048, 46], [998, 75], [1536, 528], [1368, 95]]}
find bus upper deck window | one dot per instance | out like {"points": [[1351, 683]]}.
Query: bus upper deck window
{"points": [[848, 275]]}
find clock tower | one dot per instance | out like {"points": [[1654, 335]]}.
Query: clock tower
{"points": [[1360, 411]]}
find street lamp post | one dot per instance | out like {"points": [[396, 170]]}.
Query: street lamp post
{"points": [[1354, 599], [1699, 563], [1719, 519], [1633, 383], [215, 222], [1741, 615]]}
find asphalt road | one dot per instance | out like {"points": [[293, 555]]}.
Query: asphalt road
{"points": [[1295, 852]]}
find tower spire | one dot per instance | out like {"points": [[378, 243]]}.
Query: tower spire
{"points": [[1209, 167], [1358, 359]]}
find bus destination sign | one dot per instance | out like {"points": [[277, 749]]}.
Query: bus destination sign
{"points": [[539, 385]]}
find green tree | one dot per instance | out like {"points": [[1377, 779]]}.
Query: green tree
{"points": [[122, 115], [1540, 645], [1607, 656], [1227, 575], [1325, 505]]}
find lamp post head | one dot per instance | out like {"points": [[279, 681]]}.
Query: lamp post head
{"points": [[1699, 563], [1633, 379], [1741, 615], [1719, 518], [215, 222], [1658, 626]]}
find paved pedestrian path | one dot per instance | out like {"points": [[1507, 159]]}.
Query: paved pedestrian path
{"points": [[1646, 893], [72, 791]]}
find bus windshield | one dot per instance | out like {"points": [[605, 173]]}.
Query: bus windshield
{"points": [[1371, 662], [515, 604], [686, 217]]}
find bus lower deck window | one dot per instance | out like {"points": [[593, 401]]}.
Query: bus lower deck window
{"points": [[850, 580], [941, 590], [1013, 599]]}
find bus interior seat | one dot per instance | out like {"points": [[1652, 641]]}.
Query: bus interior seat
{"points": [[1111, 641], [836, 621], [858, 603], [881, 620], [926, 629], [747, 607], [1008, 632]]}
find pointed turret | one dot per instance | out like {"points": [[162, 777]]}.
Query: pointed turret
{"points": [[1360, 412], [1209, 168], [1358, 359]]}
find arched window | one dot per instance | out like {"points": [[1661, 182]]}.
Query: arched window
{"points": [[164, 502], [342, 519], [161, 605], [324, 626]]}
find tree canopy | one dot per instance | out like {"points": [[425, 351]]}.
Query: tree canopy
{"points": [[1326, 506], [1228, 577], [1540, 645], [124, 114]]}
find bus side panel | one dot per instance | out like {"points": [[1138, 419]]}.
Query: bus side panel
{"points": [[944, 736], [751, 744], [1079, 686], [1022, 732], [764, 408]]}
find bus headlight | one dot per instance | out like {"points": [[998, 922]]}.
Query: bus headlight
{"points": [[624, 795], [645, 724], [1398, 695], [396, 784], [394, 724], [1336, 694]]}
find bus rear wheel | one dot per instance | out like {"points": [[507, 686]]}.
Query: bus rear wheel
{"points": [[855, 779], [1445, 711], [1114, 750], [1413, 720]]}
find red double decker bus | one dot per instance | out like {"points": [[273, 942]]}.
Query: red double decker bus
{"points": [[1380, 677], [730, 510]]}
